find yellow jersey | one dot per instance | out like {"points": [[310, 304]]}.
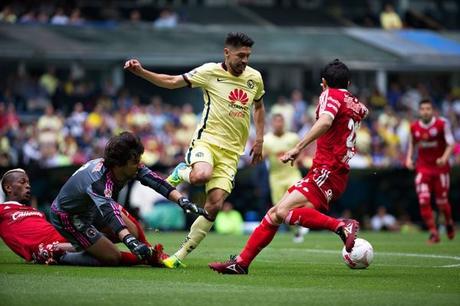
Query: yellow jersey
{"points": [[228, 100], [274, 148]]}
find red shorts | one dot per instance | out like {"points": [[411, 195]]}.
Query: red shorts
{"points": [[437, 183], [321, 186]]}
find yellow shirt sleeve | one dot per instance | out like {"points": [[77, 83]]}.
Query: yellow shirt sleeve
{"points": [[199, 76]]}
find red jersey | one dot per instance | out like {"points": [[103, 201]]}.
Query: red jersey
{"points": [[24, 228], [336, 147], [431, 140]]}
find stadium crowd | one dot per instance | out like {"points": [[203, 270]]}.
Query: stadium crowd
{"points": [[50, 122]]}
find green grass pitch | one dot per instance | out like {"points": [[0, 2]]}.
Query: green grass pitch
{"points": [[405, 271]]}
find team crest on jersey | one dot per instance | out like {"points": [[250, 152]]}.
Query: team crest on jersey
{"points": [[433, 131], [238, 95], [251, 84], [91, 232]]}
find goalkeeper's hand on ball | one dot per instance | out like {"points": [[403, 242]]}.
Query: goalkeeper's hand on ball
{"points": [[190, 207]]}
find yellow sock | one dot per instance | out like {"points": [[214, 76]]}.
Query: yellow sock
{"points": [[199, 229]]}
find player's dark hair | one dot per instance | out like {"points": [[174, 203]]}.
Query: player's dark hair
{"points": [[122, 148], [336, 74], [238, 40], [425, 101]]}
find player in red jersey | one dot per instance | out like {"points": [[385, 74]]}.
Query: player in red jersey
{"points": [[434, 141], [27, 232], [23, 228], [339, 115]]}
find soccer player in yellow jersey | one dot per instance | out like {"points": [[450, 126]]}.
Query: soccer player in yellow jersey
{"points": [[230, 89], [276, 143]]}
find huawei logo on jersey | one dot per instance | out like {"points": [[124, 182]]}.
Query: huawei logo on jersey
{"points": [[238, 95]]}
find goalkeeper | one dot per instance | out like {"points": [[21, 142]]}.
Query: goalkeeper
{"points": [[87, 201]]}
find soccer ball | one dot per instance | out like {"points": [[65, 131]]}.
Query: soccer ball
{"points": [[361, 255]]}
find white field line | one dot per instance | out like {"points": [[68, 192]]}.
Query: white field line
{"points": [[434, 256]]}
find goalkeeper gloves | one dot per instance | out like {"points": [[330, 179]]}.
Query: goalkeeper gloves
{"points": [[190, 207], [141, 250]]}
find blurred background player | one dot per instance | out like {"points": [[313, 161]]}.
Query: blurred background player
{"points": [[339, 115], [87, 200], [229, 91], [26, 231], [276, 143], [434, 141]]}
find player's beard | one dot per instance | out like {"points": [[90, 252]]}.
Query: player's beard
{"points": [[238, 69], [427, 120]]}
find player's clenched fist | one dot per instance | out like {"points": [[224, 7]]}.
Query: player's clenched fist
{"points": [[134, 66]]}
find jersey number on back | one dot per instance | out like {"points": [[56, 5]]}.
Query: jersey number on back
{"points": [[351, 140]]}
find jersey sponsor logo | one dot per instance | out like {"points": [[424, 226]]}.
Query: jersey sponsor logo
{"points": [[199, 154], [428, 144], [238, 95], [22, 214], [250, 84]]}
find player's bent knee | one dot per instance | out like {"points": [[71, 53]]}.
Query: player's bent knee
{"points": [[200, 177]]}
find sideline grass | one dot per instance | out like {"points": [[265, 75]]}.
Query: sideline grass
{"points": [[405, 272]]}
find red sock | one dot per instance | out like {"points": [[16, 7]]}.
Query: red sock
{"points": [[140, 231], [129, 259], [311, 218], [259, 239], [427, 215], [446, 209]]}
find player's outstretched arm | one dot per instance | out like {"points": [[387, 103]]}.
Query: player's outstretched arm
{"points": [[320, 127], [148, 178], [161, 80], [259, 122]]}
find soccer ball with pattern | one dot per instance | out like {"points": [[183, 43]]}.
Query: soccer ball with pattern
{"points": [[361, 255]]}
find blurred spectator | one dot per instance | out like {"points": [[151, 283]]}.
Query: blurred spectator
{"points": [[59, 17], [229, 221], [389, 19], [75, 18], [7, 15], [49, 81], [43, 17], [377, 100], [135, 17], [283, 107], [75, 122], [300, 108], [167, 19], [383, 221], [28, 17]]}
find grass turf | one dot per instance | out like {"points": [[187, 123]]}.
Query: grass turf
{"points": [[405, 271]]}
